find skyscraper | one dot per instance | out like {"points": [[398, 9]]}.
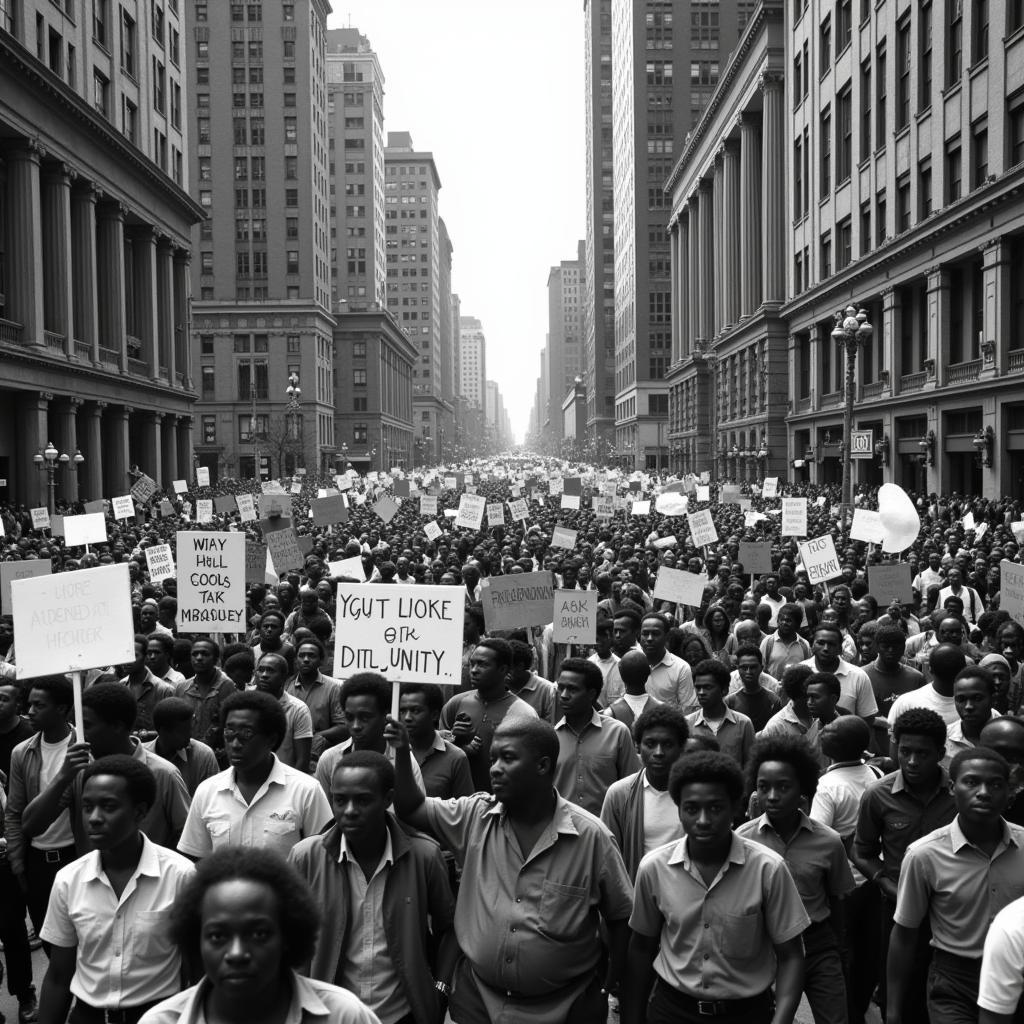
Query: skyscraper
{"points": [[262, 272], [565, 355]]}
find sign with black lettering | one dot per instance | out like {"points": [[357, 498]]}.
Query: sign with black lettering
{"points": [[211, 582]]}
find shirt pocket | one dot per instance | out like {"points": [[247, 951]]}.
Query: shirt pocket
{"points": [[280, 830], [219, 830], [563, 910], [740, 936], [152, 933]]}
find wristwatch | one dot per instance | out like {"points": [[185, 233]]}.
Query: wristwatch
{"points": [[444, 989]]}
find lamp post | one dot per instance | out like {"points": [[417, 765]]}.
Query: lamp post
{"points": [[851, 329], [344, 456], [294, 393], [49, 461]]}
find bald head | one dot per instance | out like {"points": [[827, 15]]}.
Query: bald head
{"points": [[945, 661], [845, 738], [1005, 736], [634, 669]]}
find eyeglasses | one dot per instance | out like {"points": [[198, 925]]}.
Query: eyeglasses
{"points": [[238, 734]]}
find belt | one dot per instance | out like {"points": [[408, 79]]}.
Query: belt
{"points": [[715, 1007], [104, 1015], [64, 855], [972, 963]]}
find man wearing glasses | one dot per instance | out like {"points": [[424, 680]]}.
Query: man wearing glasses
{"points": [[259, 800]]}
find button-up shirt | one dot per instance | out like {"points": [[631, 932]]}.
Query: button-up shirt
{"points": [[366, 967], [671, 681], [528, 923], [196, 762], [855, 692], [444, 768], [959, 887], [206, 706], [147, 695], [816, 859], [590, 760], [735, 733], [779, 655], [717, 941], [322, 697], [125, 956], [289, 806]]}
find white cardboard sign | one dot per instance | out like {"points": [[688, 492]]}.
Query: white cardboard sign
{"points": [[641, 508], [26, 570], [246, 508], [471, 511], [518, 509], [432, 530], [867, 526], [90, 528], [495, 514], [211, 582], [794, 517], [351, 567], [428, 504], [571, 501], [679, 586], [203, 476], [820, 559], [204, 510], [180, 486], [124, 507], [770, 489], [160, 562], [40, 519], [563, 537], [702, 527], [575, 617]]}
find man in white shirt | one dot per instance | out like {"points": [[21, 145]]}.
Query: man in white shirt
{"points": [[258, 801], [857, 696], [945, 661], [297, 746], [785, 646], [973, 604], [671, 680], [108, 920]]}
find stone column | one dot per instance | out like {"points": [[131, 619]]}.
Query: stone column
{"points": [[693, 270], [165, 310], [674, 268], [33, 417], [115, 477], [716, 261], [182, 340], [145, 277], [111, 218], [730, 234], [889, 358], [774, 189], [58, 293], [169, 445], [995, 339], [25, 234], [66, 440], [151, 445], [91, 484], [750, 215], [83, 243], [184, 435], [938, 328], [707, 257], [682, 298]]}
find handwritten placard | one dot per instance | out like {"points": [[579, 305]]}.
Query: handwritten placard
{"points": [[820, 559], [575, 617], [702, 527], [203, 476], [770, 489], [160, 562], [29, 569], [246, 507], [211, 582], [255, 562], [40, 518], [890, 582], [386, 508], [563, 537], [570, 501], [144, 489], [432, 530], [679, 586], [124, 507], [867, 526], [794, 517], [471, 511], [518, 510], [428, 504], [284, 549], [517, 601], [204, 510], [1011, 589], [495, 514]]}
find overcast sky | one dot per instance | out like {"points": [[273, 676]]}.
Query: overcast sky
{"points": [[495, 91]]}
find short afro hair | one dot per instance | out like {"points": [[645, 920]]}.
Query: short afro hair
{"points": [[920, 722], [708, 767], [299, 914], [172, 711], [381, 767], [112, 703], [432, 694], [58, 687], [979, 754], [270, 717], [368, 684], [502, 650], [716, 670], [593, 678], [139, 780], [792, 750], [661, 716]]}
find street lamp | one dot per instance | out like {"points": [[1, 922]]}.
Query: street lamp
{"points": [[984, 442], [373, 455], [344, 456], [294, 393], [851, 329], [49, 461]]}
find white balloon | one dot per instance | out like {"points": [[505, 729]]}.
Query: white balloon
{"points": [[899, 518]]}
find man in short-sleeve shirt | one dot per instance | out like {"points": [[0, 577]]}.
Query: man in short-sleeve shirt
{"points": [[1002, 966]]}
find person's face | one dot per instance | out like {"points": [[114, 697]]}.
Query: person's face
{"points": [[43, 713], [603, 644], [515, 770], [484, 671], [748, 610], [270, 629], [203, 660], [786, 624], [950, 631], [140, 659], [157, 659], [771, 585], [981, 792], [693, 652], [934, 561], [569, 577], [706, 813], [270, 676], [10, 696], [659, 750], [1010, 647], [820, 702], [826, 648], [624, 635], [749, 669], [652, 639], [104, 737], [308, 659], [1002, 676], [779, 789], [6, 635], [574, 699], [416, 716], [709, 693], [240, 940], [866, 646], [147, 617], [890, 652], [108, 813], [365, 720], [358, 802], [955, 577], [246, 746], [973, 701], [918, 758]]}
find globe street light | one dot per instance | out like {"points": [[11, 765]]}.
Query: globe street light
{"points": [[294, 393], [49, 461]]}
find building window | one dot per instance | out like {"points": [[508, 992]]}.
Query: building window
{"points": [[798, 180], [1016, 14], [100, 20], [209, 429], [924, 41], [209, 379], [954, 41], [844, 243], [128, 47], [903, 203], [825, 253], [206, 344], [881, 95], [293, 344], [290, 129], [954, 170], [292, 266], [291, 227], [844, 24], [924, 189], [358, 349], [1016, 134], [844, 135], [979, 154], [291, 197], [825, 157], [881, 223], [101, 92], [865, 228], [903, 73], [865, 109], [256, 131], [359, 378], [825, 45], [979, 31]]}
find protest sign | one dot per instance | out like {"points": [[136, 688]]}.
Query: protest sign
{"points": [[451, 513], [979, 531], [166, 508], [640, 508], [296, 487], [563, 537], [450, 483], [495, 514], [518, 601], [794, 517], [1017, 529], [144, 489], [968, 521], [224, 504], [402, 488], [820, 559], [90, 528], [27, 570], [432, 530], [204, 510], [160, 562], [890, 582], [40, 519], [246, 507], [203, 476], [679, 586], [284, 549], [745, 504], [604, 508], [186, 510], [1011, 589], [669, 503], [409, 634], [471, 511], [666, 542], [211, 582], [702, 527], [275, 505], [99, 505], [518, 509], [180, 486], [351, 567], [571, 501], [327, 511], [555, 485], [730, 494], [56, 525], [255, 562], [756, 557], [428, 504], [73, 621], [575, 617], [703, 493], [867, 526], [124, 507], [771, 487], [572, 485]]}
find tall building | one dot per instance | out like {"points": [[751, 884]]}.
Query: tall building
{"points": [[262, 272], [653, 109], [905, 140], [449, 337], [95, 221], [598, 268], [373, 358], [414, 254], [728, 380], [564, 340], [472, 387]]}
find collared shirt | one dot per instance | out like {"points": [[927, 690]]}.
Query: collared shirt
{"points": [[300, 726], [1002, 980], [322, 697], [206, 706], [590, 760], [614, 687], [542, 695], [147, 695], [855, 692], [717, 941], [957, 741], [671, 681], [196, 762], [332, 757], [959, 887], [891, 817], [173, 676], [816, 859], [444, 769], [661, 816], [366, 967], [758, 706], [125, 956], [313, 1002], [735, 733], [288, 807], [529, 923], [779, 655]]}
